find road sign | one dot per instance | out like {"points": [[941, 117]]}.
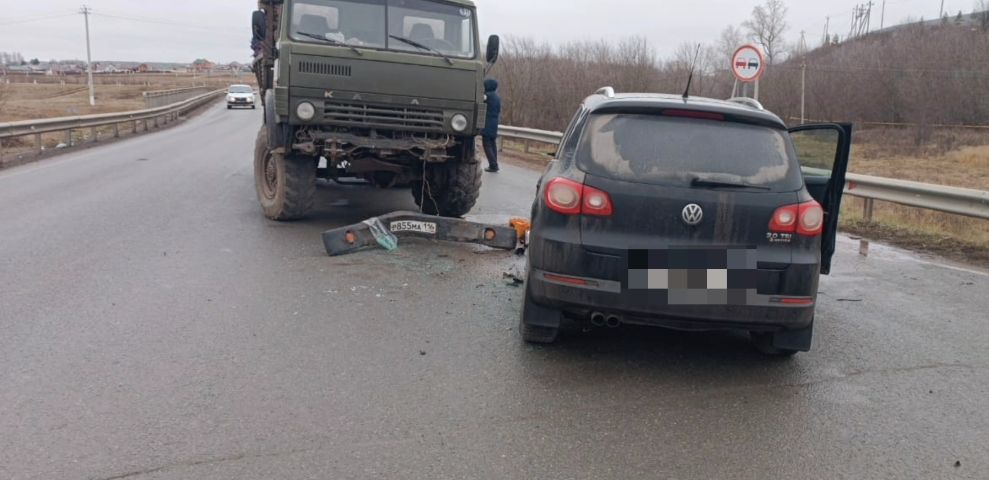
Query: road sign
{"points": [[748, 64]]}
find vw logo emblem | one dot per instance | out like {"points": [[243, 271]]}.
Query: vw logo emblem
{"points": [[693, 214]]}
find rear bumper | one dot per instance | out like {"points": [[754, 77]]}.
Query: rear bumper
{"points": [[605, 290]]}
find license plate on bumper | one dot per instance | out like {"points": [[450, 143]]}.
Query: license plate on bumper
{"points": [[693, 276]]}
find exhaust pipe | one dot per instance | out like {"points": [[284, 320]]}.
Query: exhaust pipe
{"points": [[597, 319], [613, 321]]}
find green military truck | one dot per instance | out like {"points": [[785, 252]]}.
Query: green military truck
{"points": [[384, 91]]}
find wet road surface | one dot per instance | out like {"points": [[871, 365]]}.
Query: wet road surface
{"points": [[154, 326]]}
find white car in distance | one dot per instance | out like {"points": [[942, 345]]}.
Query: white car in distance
{"points": [[240, 96]]}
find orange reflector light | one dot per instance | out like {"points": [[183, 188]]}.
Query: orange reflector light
{"points": [[563, 279], [489, 234], [794, 301], [350, 237]]}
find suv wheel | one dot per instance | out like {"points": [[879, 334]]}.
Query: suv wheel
{"points": [[784, 344], [533, 313]]}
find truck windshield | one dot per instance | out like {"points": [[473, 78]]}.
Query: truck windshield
{"points": [[444, 28]]}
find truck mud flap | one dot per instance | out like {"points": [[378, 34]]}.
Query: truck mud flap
{"points": [[344, 240]]}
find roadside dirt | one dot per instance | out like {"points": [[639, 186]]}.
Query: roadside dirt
{"points": [[942, 245]]}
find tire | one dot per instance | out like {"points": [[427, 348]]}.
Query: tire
{"points": [[541, 335], [229, 107], [763, 342], [452, 188], [286, 186]]}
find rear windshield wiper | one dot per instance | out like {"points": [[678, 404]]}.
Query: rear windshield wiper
{"points": [[421, 47], [701, 182], [331, 41]]}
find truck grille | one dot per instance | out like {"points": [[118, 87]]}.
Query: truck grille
{"points": [[363, 115], [320, 68]]}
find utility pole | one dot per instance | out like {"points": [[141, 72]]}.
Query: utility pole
{"points": [[868, 19], [882, 17], [85, 11], [803, 77], [942, 11], [827, 34]]}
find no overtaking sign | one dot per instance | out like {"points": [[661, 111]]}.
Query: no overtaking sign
{"points": [[748, 63]]}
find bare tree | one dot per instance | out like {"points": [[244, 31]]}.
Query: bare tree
{"points": [[766, 27], [731, 38], [982, 14]]}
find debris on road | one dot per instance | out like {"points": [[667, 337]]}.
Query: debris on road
{"points": [[515, 276], [385, 230]]}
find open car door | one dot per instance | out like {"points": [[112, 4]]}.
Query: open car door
{"points": [[823, 150]]}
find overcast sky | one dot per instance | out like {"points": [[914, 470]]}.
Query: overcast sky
{"points": [[183, 30]]}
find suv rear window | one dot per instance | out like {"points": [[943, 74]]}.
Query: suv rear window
{"points": [[662, 150]]}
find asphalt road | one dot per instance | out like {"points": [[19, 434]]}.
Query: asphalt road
{"points": [[154, 326]]}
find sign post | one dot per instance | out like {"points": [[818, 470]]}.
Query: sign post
{"points": [[748, 64]]}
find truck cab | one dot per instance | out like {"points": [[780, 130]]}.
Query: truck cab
{"points": [[387, 91]]}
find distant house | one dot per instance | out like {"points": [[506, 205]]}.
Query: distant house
{"points": [[203, 65], [142, 68]]}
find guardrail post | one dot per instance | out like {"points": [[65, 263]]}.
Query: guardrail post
{"points": [[501, 144], [68, 137], [95, 134], [116, 130], [38, 143], [1, 151], [868, 204], [145, 124], [525, 145]]}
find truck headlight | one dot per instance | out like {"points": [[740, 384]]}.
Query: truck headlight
{"points": [[459, 122], [306, 111], [230, 98]]}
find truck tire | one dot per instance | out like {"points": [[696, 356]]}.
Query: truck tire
{"points": [[452, 188], [286, 185]]}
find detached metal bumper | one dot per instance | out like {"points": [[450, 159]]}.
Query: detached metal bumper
{"points": [[344, 240]]}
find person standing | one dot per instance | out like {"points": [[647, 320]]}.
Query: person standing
{"points": [[489, 136]]}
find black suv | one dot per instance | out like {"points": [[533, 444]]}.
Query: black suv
{"points": [[693, 214]]}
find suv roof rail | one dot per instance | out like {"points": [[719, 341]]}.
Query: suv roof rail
{"points": [[748, 102], [606, 91]]}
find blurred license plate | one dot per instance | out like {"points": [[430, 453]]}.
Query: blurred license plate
{"points": [[411, 226]]}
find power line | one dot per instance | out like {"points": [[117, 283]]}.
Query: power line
{"points": [[164, 22], [36, 19]]}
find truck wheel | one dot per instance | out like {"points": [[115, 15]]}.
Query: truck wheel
{"points": [[451, 189], [286, 185]]}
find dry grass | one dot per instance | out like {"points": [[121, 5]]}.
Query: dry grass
{"points": [[957, 158], [50, 97]]}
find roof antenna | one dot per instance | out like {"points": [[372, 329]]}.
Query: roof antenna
{"points": [[690, 78]]}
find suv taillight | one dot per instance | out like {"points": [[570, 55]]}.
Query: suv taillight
{"points": [[805, 219], [567, 197]]}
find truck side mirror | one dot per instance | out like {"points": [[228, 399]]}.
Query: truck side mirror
{"points": [[494, 48], [259, 25]]}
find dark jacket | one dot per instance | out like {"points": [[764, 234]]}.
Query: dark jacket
{"points": [[494, 108]]}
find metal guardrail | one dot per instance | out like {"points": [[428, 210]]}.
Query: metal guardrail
{"points": [[941, 198], [160, 116], [160, 98]]}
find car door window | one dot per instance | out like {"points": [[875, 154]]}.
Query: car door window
{"points": [[823, 151], [569, 142], [816, 150]]}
